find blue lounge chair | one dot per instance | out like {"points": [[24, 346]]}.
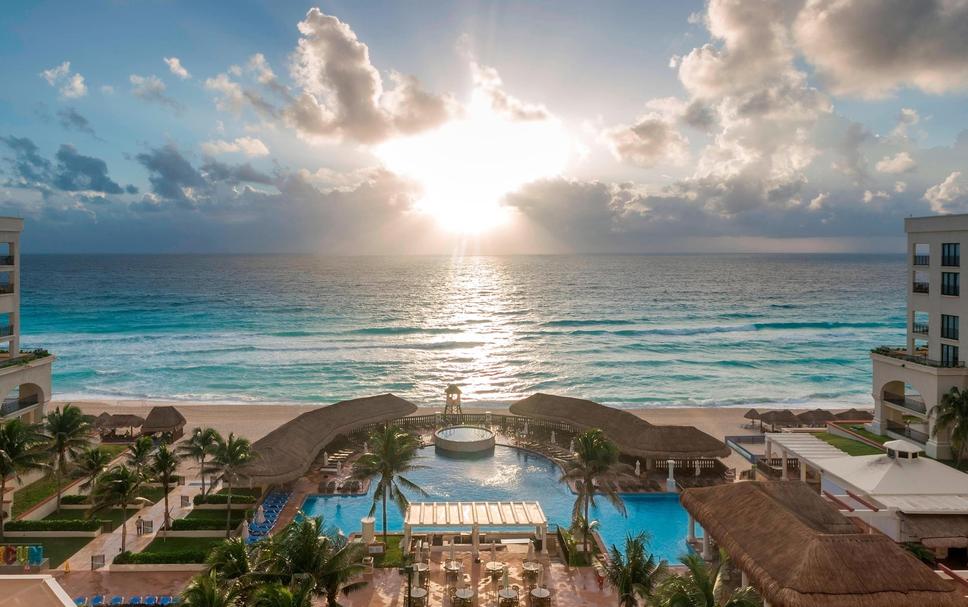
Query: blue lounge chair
{"points": [[165, 600], [80, 600], [117, 600], [135, 600], [150, 600], [97, 601]]}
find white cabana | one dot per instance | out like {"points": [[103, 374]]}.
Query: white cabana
{"points": [[476, 515], [805, 447]]}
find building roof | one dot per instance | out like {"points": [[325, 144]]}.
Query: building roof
{"points": [[932, 530], [163, 419], [286, 453], [633, 435], [854, 415], [32, 591], [469, 514], [919, 485], [805, 446], [799, 551], [118, 420]]}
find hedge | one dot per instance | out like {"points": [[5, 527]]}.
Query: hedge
{"points": [[160, 558], [219, 498], [57, 525], [74, 499], [201, 524]]}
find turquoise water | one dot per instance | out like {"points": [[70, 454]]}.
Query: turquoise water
{"points": [[512, 474], [625, 330]]}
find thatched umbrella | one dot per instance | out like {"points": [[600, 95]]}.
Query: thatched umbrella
{"points": [[102, 420], [780, 416], [753, 415], [164, 419], [815, 417], [855, 415]]}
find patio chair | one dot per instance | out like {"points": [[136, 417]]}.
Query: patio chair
{"points": [[97, 601], [150, 600], [165, 600], [80, 600], [117, 600], [135, 600]]}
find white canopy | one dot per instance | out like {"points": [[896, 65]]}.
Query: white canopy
{"points": [[471, 514]]}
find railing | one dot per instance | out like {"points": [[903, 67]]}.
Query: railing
{"points": [[504, 421], [6, 260], [6, 330], [921, 328], [922, 260], [736, 444], [900, 354], [6, 288], [908, 403], [920, 287], [12, 405], [951, 261], [906, 431]]}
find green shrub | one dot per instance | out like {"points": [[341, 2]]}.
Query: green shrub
{"points": [[202, 524], [74, 499], [160, 558], [57, 525], [219, 498]]}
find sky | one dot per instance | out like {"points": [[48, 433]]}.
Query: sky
{"points": [[139, 126]]}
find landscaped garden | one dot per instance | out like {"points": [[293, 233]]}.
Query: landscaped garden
{"points": [[172, 550], [849, 445]]}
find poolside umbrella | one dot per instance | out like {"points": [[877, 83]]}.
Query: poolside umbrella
{"points": [[530, 550], [245, 532], [816, 417], [453, 549], [416, 578], [781, 416], [854, 415], [493, 552], [506, 583], [260, 515]]}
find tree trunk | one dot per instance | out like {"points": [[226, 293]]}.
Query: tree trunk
{"points": [[57, 478], [384, 518], [585, 525], [201, 472], [3, 513], [124, 526], [167, 520], [228, 509]]}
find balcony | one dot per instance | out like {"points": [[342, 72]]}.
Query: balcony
{"points": [[901, 354], [951, 261], [6, 260], [922, 260], [6, 288], [907, 432], [912, 404], [12, 405], [920, 287], [919, 328]]}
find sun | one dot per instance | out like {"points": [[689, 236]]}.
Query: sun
{"points": [[469, 164]]}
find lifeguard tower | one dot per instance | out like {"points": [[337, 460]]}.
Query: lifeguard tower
{"points": [[452, 403]]}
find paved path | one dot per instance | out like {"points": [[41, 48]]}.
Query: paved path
{"points": [[109, 544]]}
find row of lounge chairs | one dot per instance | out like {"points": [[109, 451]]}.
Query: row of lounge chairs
{"points": [[99, 600], [272, 507]]}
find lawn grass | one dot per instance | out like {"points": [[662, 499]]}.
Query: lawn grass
{"points": [[877, 438], [253, 491], [113, 449], [181, 544], [849, 445], [57, 549], [112, 514], [30, 495], [393, 556], [217, 517]]}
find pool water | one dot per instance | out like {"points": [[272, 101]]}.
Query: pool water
{"points": [[465, 433], [513, 474]]}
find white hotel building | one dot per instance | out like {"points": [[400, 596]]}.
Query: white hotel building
{"points": [[24, 376], [910, 381]]}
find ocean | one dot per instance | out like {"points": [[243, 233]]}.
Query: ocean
{"points": [[630, 331]]}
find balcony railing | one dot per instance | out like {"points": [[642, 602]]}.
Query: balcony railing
{"points": [[900, 354], [920, 287], [6, 330], [906, 431], [6, 260], [6, 288], [951, 261], [922, 260], [12, 405], [921, 328], [913, 404]]}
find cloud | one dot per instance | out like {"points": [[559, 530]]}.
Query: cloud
{"points": [[487, 82], [71, 120], [652, 139], [76, 172], [249, 146], [949, 196], [174, 64], [27, 164], [172, 176], [152, 90], [899, 163], [342, 93], [71, 85], [906, 118], [869, 48], [232, 97], [73, 171]]}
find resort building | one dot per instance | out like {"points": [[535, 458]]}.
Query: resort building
{"points": [[795, 549], [910, 381], [24, 376]]}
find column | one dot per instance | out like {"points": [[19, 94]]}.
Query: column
{"points": [[692, 528], [784, 456], [405, 545], [745, 580], [696, 464], [671, 480], [769, 448], [475, 540], [707, 551], [803, 470]]}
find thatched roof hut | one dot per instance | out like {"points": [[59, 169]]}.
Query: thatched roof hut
{"points": [[164, 419], [780, 416], [855, 415], [633, 435], [815, 417], [752, 414], [287, 452], [799, 551], [108, 421]]}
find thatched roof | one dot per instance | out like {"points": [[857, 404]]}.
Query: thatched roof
{"points": [[799, 551], [286, 453], [780, 416], [752, 414], [816, 416], [108, 421], [855, 415], [633, 435], [944, 530], [163, 419]]}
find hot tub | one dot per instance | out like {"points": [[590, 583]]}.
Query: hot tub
{"points": [[464, 440]]}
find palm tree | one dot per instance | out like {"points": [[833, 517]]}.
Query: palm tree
{"points": [[702, 586], [91, 463], [162, 468], [231, 559], [635, 574], [392, 452], [139, 452], [21, 450], [199, 447], [118, 488], [275, 594], [69, 432], [228, 456], [952, 414], [596, 459], [329, 559], [206, 590]]}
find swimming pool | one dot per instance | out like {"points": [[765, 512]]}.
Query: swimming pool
{"points": [[513, 474]]}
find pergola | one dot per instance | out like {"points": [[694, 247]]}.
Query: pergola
{"points": [[803, 446], [454, 516]]}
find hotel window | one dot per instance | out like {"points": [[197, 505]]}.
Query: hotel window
{"points": [[949, 326], [951, 254], [949, 355], [950, 284]]}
